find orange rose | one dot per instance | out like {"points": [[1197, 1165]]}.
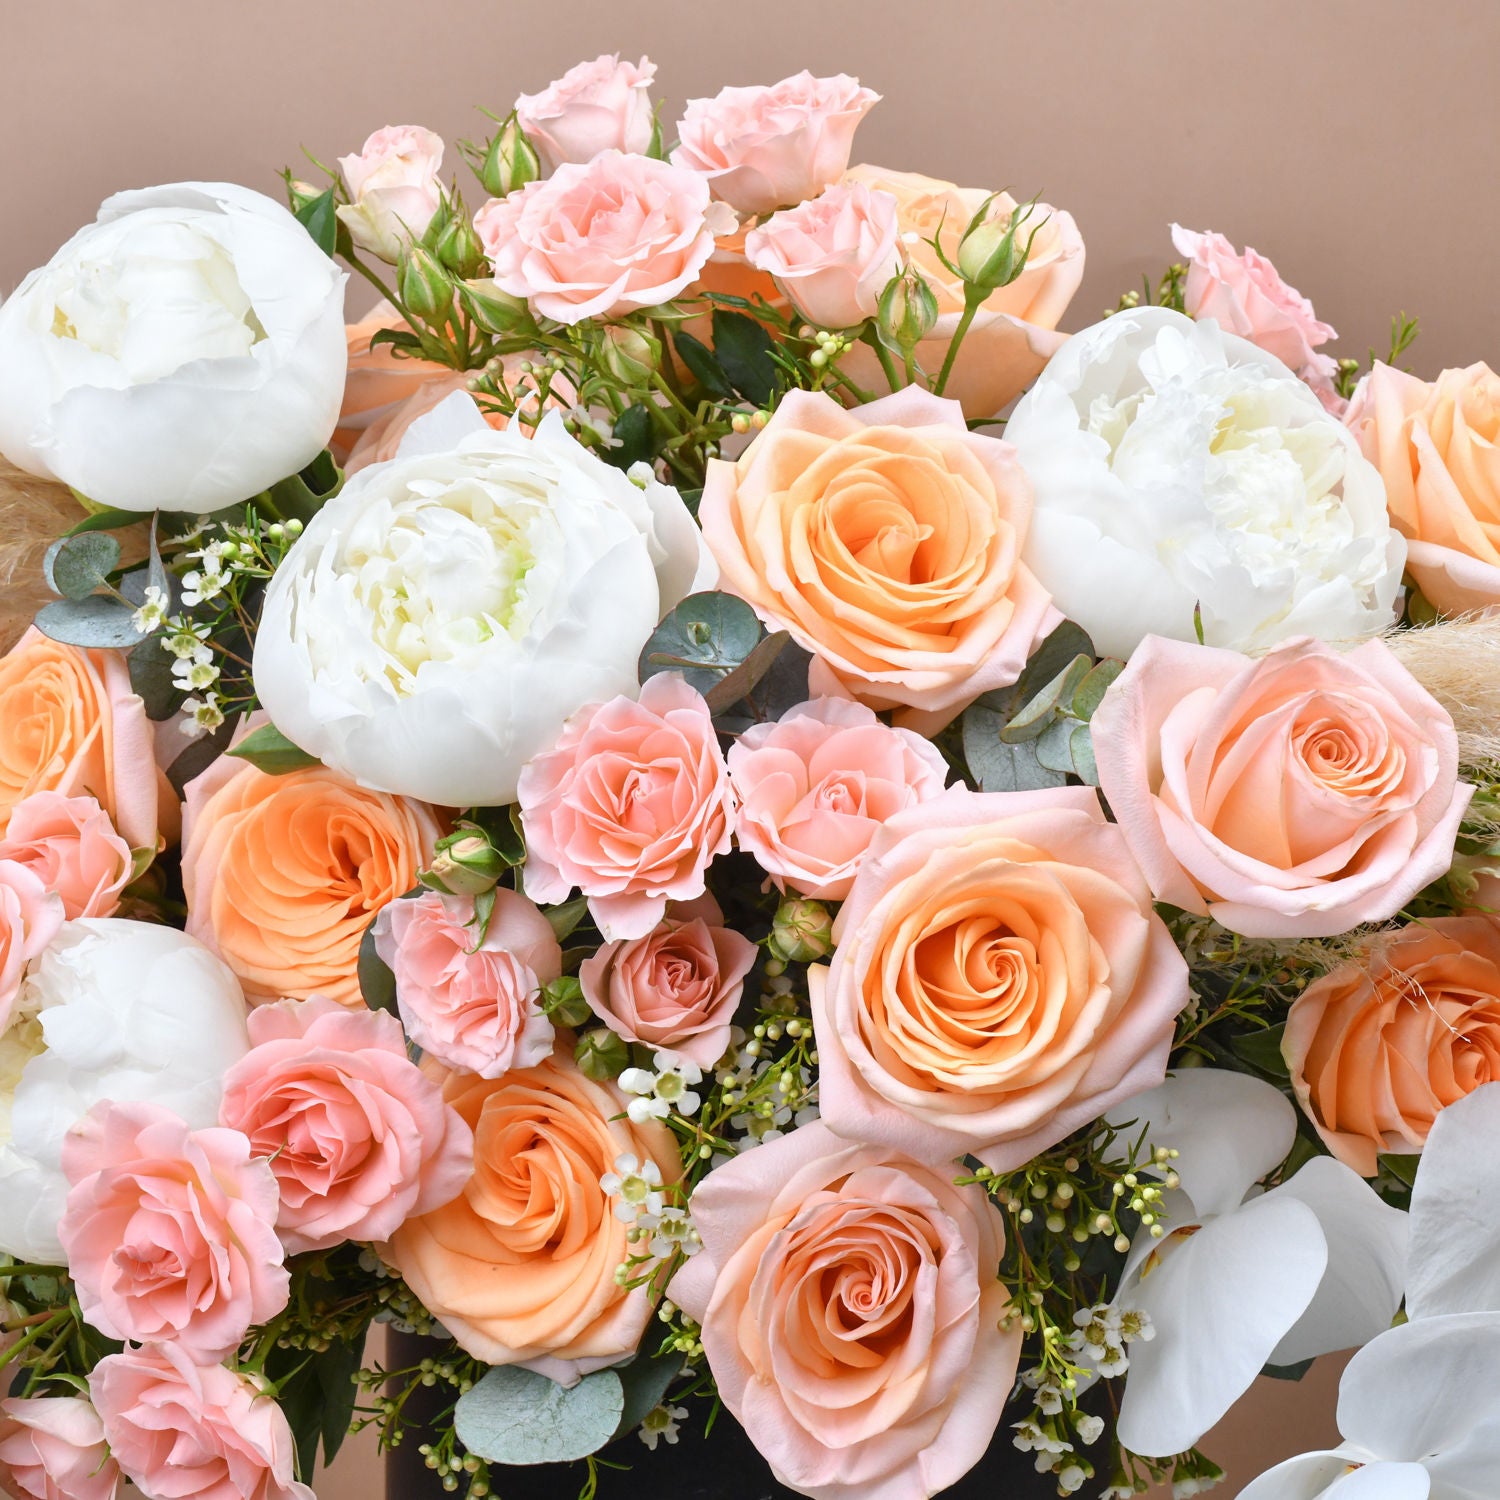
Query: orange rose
{"points": [[520, 1267], [1383, 1043], [284, 873]]}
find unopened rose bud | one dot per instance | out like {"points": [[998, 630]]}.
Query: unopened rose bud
{"points": [[802, 931], [601, 1055], [992, 253], [908, 311], [511, 162], [494, 310], [426, 288], [300, 194], [629, 355], [458, 248], [563, 1003], [465, 864]]}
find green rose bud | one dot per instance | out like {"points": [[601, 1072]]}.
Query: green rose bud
{"points": [[802, 931], [458, 248], [300, 194], [563, 1003], [494, 310], [629, 355], [511, 161], [601, 1055], [426, 288], [908, 311], [465, 864], [991, 254]]}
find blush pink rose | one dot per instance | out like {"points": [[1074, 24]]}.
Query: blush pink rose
{"points": [[193, 1432], [851, 1315], [815, 788], [769, 147], [677, 987], [170, 1233], [474, 1009], [53, 1448], [394, 187], [603, 105], [70, 844], [1297, 794], [30, 916], [629, 807], [833, 255], [358, 1136], [601, 238]]}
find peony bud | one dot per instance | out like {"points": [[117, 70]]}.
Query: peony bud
{"points": [[989, 255], [511, 161], [630, 356], [908, 311], [494, 310], [458, 248], [465, 864], [802, 931], [563, 1003], [601, 1055], [426, 288]]}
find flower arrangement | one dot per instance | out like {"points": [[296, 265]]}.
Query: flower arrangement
{"points": [[617, 813]]}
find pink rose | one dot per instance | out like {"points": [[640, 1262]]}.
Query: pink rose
{"points": [[675, 988], [30, 916], [474, 1009], [394, 187], [817, 786], [359, 1138], [629, 807], [851, 1315], [52, 1448], [833, 255], [170, 1233], [604, 105], [769, 147], [193, 1432], [600, 239], [70, 844], [1294, 795]]}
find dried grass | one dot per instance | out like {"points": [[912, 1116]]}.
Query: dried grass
{"points": [[1458, 662]]}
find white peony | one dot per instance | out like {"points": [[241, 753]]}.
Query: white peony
{"points": [[441, 617], [183, 352], [111, 1010], [1178, 468]]}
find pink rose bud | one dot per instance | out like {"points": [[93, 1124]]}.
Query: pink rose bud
{"points": [[394, 187], [52, 1448], [603, 105], [70, 844], [30, 916]]}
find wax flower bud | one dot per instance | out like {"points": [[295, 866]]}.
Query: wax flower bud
{"points": [[563, 1003], [511, 161], [494, 310], [464, 863], [992, 252], [907, 312], [629, 355], [802, 931], [601, 1055], [426, 288]]}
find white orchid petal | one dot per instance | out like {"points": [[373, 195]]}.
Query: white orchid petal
{"points": [[1306, 1477], [1384, 1482]]}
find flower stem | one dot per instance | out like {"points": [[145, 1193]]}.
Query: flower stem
{"points": [[971, 306]]}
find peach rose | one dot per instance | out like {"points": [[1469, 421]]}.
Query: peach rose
{"points": [[1014, 331], [1297, 794], [520, 1267], [851, 1315], [72, 847], [768, 147], [283, 873], [379, 381], [53, 1448], [358, 1137], [70, 723], [888, 541], [817, 786], [474, 1009], [170, 1233], [629, 807], [30, 916], [603, 105], [999, 979], [394, 189], [677, 987], [1382, 1043], [1437, 447]]}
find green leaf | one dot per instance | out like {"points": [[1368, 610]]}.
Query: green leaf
{"points": [[1262, 1050], [997, 765], [398, 338], [646, 1379], [77, 565], [318, 1397], [105, 519], [95, 621], [301, 496], [1403, 1168], [151, 676], [502, 827], [706, 637], [1031, 719], [703, 367], [745, 678], [1054, 746], [1287, 1372], [1092, 689], [634, 438], [565, 918], [1066, 642], [269, 750], [377, 985], [335, 1368], [199, 755], [318, 216], [743, 349], [514, 1416], [1085, 768]]}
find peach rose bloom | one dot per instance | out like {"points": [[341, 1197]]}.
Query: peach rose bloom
{"points": [[520, 1267], [887, 540], [603, 105], [170, 1233], [70, 723], [818, 785], [53, 1448], [851, 1315], [379, 380], [1014, 332], [769, 147], [1437, 446], [394, 189], [70, 845], [283, 873], [1382, 1043], [30, 917], [999, 979], [1297, 794]]}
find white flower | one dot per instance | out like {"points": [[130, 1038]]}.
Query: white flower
{"points": [[111, 1010], [186, 640], [674, 1231], [196, 674], [1089, 1428], [153, 610], [439, 619], [200, 716], [659, 1093], [182, 353], [1070, 1479], [661, 1422], [1180, 469], [637, 1188]]}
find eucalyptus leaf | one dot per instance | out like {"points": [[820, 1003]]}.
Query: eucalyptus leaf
{"points": [[743, 349], [76, 566], [746, 677], [1051, 657], [1054, 746], [1092, 689], [95, 621], [1085, 767], [1032, 717], [269, 750], [514, 1416], [997, 765], [646, 1380], [151, 677], [199, 756], [702, 365], [377, 984], [705, 638]]}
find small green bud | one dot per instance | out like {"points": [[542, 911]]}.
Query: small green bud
{"points": [[563, 1002], [458, 248], [601, 1055], [908, 311], [426, 288], [465, 863], [494, 310], [991, 254], [300, 194], [511, 161], [630, 356], [801, 932]]}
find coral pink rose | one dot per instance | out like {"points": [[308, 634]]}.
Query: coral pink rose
{"points": [[191, 1431], [1437, 446], [72, 847], [602, 238], [833, 255], [1298, 794], [999, 979], [817, 786], [359, 1138], [603, 105], [52, 1448], [170, 1233], [394, 189], [629, 807], [769, 147], [677, 987], [888, 541], [851, 1315], [30, 916], [475, 1009]]}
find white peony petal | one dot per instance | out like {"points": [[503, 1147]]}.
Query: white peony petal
{"points": [[1309, 1476], [443, 428], [1381, 1481]]}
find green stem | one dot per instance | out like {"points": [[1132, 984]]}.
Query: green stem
{"points": [[357, 264], [27, 1339], [887, 364], [6, 1272], [971, 306]]}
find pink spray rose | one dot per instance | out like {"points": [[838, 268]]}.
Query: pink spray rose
{"points": [[394, 187], [603, 105], [170, 1233], [769, 147], [815, 788], [474, 1009], [52, 1448], [30, 916], [70, 844], [358, 1136], [193, 1432], [629, 807]]}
